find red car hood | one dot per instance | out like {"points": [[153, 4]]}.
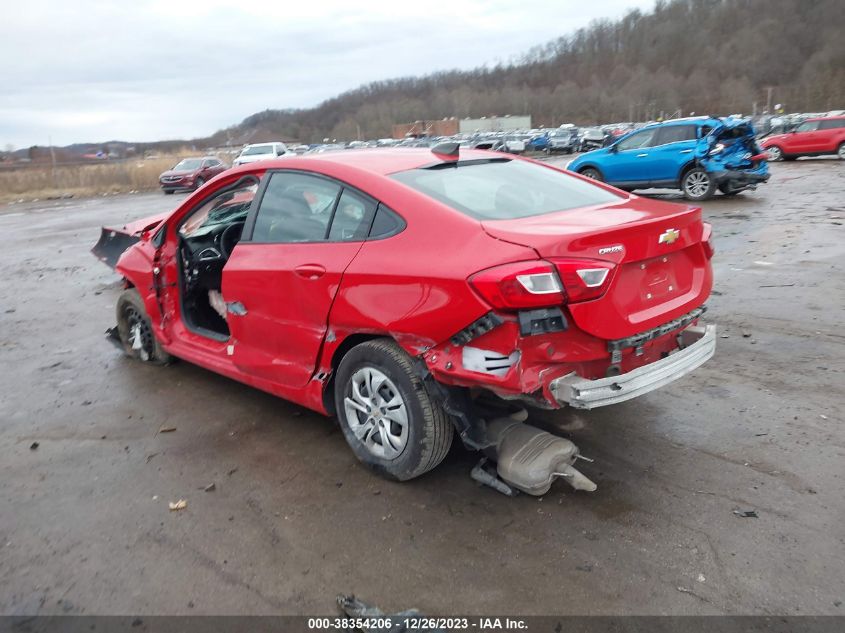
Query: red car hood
{"points": [[137, 227], [113, 241], [180, 172], [773, 139]]}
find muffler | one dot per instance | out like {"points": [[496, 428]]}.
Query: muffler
{"points": [[530, 459]]}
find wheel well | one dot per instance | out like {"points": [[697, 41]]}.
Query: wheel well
{"points": [[690, 165], [345, 345], [584, 168]]}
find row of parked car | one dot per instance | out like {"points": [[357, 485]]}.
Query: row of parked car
{"points": [[698, 155]]}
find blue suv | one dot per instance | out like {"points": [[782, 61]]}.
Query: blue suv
{"points": [[696, 156]]}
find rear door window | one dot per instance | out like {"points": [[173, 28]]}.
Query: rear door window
{"points": [[352, 217], [832, 124], [676, 134], [386, 223], [504, 189]]}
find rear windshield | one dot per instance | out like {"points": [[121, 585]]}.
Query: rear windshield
{"points": [[504, 189]]}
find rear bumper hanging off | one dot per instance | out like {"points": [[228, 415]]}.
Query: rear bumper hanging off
{"points": [[580, 393]]}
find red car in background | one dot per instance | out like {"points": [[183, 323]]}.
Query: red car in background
{"points": [[190, 174], [392, 287], [814, 137]]}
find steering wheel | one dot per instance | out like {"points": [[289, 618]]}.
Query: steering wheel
{"points": [[230, 237]]}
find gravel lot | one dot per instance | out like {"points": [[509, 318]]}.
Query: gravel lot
{"points": [[294, 520]]}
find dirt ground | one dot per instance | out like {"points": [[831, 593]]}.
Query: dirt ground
{"points": [[294, 519]]}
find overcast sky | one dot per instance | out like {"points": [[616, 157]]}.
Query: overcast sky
{"points": [[146, 70]]}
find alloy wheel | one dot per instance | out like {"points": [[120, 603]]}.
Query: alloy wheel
{"points": [[696, 184], [774, 153], [841, 151], [376, 413]]}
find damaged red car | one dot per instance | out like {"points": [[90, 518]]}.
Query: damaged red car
{"points": [[405, 290]]}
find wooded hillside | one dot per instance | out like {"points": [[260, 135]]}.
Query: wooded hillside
{"points": [[704, 56]]}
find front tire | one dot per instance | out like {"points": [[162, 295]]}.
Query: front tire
{"points": [[697, 185], [841, 151], [136, 332], [168, 192], [389, 419], [775, 153], [591, 173], [199, 183]]}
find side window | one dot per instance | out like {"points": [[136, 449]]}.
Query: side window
{"points": [[638, 140], [808, 126], [386, 223], [352, 217], [229, 207], [295, 207], [676, 134], [832, 124]]}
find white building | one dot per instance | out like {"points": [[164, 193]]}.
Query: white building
{"points": [[495, 124]]}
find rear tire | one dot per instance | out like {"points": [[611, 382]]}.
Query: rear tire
{"points": [[727, 191], [592, 173], [841, 151], [389, 419], [697, 185], [135, 330]]}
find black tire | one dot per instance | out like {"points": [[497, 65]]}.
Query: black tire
{"points": [[789, 158], [592, 173], [130, 312], [429, 432], [199, 183], [727, 191], [168, 192], [697, 184], [840, 151]]}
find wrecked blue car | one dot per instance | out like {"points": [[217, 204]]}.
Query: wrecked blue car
{"points": [[696, 155]]}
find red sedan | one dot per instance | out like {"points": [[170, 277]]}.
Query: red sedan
{"points": [[391, 287]]}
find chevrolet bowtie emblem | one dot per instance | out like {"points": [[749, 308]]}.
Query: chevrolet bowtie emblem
{"points": [[669, 236]]}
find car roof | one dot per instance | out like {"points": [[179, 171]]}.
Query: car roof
{"points": [[826, 118], [381, 161]]}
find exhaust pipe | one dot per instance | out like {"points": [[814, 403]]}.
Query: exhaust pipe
{"points": [[530, 459]]}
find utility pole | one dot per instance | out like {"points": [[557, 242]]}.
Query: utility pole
{"points": [[52, 160]]}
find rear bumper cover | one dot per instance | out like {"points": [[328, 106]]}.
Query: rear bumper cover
{"points": [[741, 178], [581, 393]]}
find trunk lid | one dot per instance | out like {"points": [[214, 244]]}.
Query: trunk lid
{"points": [[661, 273]]}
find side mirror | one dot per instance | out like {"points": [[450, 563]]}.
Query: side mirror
{"points": [[613, 148]]}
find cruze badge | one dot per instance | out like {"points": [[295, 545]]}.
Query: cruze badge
{"points": [[618, 248], [669, 236]]}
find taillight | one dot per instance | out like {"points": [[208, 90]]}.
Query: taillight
{"points": [[518, 286], [707, 240], [584, 279], [542, 284]]}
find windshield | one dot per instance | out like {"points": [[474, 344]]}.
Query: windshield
{"points": [[504, 189], [189, 164], [257, 149]]}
